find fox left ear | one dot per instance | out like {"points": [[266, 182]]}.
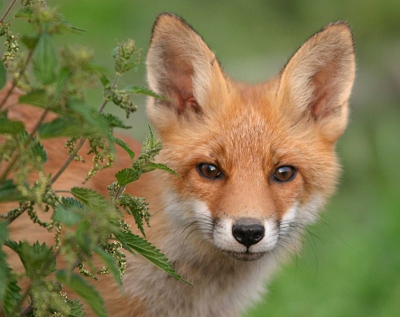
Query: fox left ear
{"points": [[316, 82], [182, 68]]}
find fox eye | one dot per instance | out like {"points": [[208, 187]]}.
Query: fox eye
{"points": [[209, 171], [284, 173]]}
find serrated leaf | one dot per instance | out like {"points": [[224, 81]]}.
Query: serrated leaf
{"points": [[157, 166], [76, 308], [45, 59], [89, 197], [38, 260], [38, 151], [69, 202], [11, 296], [115, 122], [110, 263], [68, 212], [125, 146], [9, 191], [24, 12], [127, 175], [140, 90], [133, 242], [60, 127], [3, 75], [137, 208], [84, 290], [10, 126], [37, 97]]}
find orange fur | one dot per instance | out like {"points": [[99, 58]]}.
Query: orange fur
{"points": [[247, 132]]}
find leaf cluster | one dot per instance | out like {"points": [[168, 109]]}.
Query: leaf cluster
{"points": [[84, 222]]}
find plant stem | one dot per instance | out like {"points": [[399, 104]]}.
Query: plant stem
{"points": [[82, 141], [7, 11], [68, 161]]}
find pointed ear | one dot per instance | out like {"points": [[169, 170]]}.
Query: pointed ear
{"points": [[316, 82], [182, 68]]}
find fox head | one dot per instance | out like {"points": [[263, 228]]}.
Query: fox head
{"points": [[256, 161]]}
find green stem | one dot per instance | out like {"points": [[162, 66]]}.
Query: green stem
{"points": [[82, 141], [7, 11]]}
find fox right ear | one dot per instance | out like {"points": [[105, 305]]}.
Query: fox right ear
{"points": [[181, 68], [316, 83]]}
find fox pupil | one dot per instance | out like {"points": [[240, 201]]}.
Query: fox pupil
{"points": [[284, 173], [209, 171]]}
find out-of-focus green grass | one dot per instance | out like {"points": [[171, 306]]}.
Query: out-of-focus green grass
{"points": [[350, 263]]}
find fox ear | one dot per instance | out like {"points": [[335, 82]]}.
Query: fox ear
{"points": [[316, 82], [181, 68]]}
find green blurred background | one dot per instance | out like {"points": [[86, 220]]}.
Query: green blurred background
{"points": [[350, 263]]}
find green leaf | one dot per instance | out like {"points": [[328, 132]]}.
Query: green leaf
{"points": [[127, 175], [3, 232], [38, 151], [5, 271], [89, 197], [84, 290], [66, 215], [65, 25], [3, 75], [110, 263], [133, 242], [95, 124], [140, 90], [37, 97], [68, 211], [30, 40], [11, 296], [76, 308], [60, 127], [62, 78], [115, 122], [10, 126], [125, 146], [138, 208], [9, 191], [38, 260], [24, 12], [45, 59], [157, 166], [104, 80]]}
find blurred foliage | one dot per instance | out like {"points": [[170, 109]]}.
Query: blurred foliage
{"points": [[350, 263], [84, 222]]}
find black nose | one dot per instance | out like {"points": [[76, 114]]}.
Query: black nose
{"points": [[248, 231]]}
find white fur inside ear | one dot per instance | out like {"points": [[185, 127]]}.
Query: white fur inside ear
{"points": [[201, 80]]}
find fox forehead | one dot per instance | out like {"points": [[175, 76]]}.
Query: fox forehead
{"points": [[244, 128]]}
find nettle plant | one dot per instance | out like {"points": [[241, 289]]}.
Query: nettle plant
{"points": [[84, 222]]}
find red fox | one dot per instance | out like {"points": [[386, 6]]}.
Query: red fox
{"points": [[257, 162]]}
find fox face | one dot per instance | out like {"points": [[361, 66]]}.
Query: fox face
{"points": [[256, 162]]}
